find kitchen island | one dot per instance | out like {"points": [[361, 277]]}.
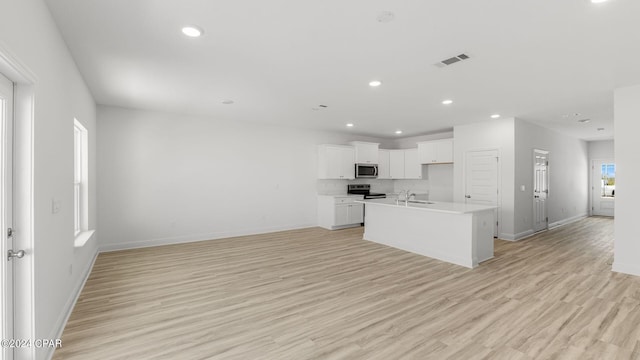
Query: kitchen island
{"points": [[458, 233]]}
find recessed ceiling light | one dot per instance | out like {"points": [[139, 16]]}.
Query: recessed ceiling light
{"points": [[192, 31], [447, 102], [227, 102], [398, 132], [495, 116], [375, 83], [349, 125]]}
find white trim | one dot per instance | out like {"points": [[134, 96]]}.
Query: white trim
{"points": [[568, 220], [197, 237], [82, 238], [517, 237], [631, 269], [61, 323], [24, 114]]}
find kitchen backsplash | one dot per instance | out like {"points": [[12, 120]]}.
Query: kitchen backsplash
{"points": [[337, 187], [438, 186]]}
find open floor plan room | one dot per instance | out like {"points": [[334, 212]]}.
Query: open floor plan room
{"points": [[317, 294]]}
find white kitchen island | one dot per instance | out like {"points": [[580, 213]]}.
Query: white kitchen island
{"points": [[458, 233]]}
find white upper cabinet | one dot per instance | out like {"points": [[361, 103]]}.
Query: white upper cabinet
{"points": [[436, 152], [366, 152], [396, 164], [412, 166], [336, 162], [383, 164]]}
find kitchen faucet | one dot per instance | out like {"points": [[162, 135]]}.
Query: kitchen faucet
{"points": [[407, 195]]}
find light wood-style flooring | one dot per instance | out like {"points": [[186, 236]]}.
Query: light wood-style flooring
{"points": [[318, 294]]}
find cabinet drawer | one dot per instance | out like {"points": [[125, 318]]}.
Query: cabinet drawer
{"points": [[344, 200]]}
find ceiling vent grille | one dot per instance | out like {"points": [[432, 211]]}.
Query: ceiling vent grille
{"points": [[452, 60]]}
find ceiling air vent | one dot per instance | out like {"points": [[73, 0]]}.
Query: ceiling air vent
{"points": [[452, 60]]}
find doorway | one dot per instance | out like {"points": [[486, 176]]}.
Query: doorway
{"points": [[17, 274], [540, 189], [603, 187], [482, 181]]}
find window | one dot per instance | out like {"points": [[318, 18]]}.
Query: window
{"points": [[608, 180], [80, 183]]}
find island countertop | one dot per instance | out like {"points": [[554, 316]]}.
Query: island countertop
{"points": [[438, 206]]}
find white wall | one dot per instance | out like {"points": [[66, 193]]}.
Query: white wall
{"points": [[29, 35], [602, 149], [568, 176], [167, 178], [627, 243], [493, 134], [411, 142]]}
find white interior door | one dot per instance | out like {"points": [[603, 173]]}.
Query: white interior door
{"points": [[6, 213], [603, 187], [482, 180], [540, 189]]}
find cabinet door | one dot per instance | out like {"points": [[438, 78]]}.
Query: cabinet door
{"points": [[444, 149], [342, 215], [383, 164], [347, 161], [366, 153], [396, 164], [428, 152], [356, 213], [412, 166]]}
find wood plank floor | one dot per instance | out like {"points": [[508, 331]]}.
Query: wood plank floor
{"points": [[317, 294]]}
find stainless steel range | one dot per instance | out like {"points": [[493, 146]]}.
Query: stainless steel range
{"points": [[364, 189]]}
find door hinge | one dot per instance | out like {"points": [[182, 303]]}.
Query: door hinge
{"points": [[9, 232], [547, 219]]}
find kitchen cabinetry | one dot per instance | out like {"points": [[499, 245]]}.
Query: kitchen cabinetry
{"points": [[339, 211], [436, 152], [396, 164], [412, 166], [383, 164], [366, 152], [405, 164], [336, 162]]}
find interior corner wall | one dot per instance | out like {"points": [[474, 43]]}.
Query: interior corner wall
{"points": [[171, 178], [568, 176], [29, 35], [626, 119], [495, 134], [601, 149]]}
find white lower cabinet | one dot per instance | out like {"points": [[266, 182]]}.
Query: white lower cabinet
{"points": [[339, 211]]}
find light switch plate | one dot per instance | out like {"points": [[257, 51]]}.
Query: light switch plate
{"points": [[522, 188], [55, 206]]}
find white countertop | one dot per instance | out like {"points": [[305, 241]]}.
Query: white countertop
{"points": [[438, 206], [342, 195]]}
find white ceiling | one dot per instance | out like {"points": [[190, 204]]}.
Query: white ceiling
{"points": [[535, 60]]}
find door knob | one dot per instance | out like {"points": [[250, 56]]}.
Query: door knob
{"points": [[16, 254]]}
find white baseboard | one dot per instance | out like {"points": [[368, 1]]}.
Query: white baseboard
{"points": [[631, 269], [525, 234], [568, 220], [68, 307], [516, 237], [197, 237]]}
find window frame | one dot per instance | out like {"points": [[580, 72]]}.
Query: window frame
{"points": [[81, 183]]}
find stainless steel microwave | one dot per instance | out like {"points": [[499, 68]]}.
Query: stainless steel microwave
{"points": [[366, 170]]}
